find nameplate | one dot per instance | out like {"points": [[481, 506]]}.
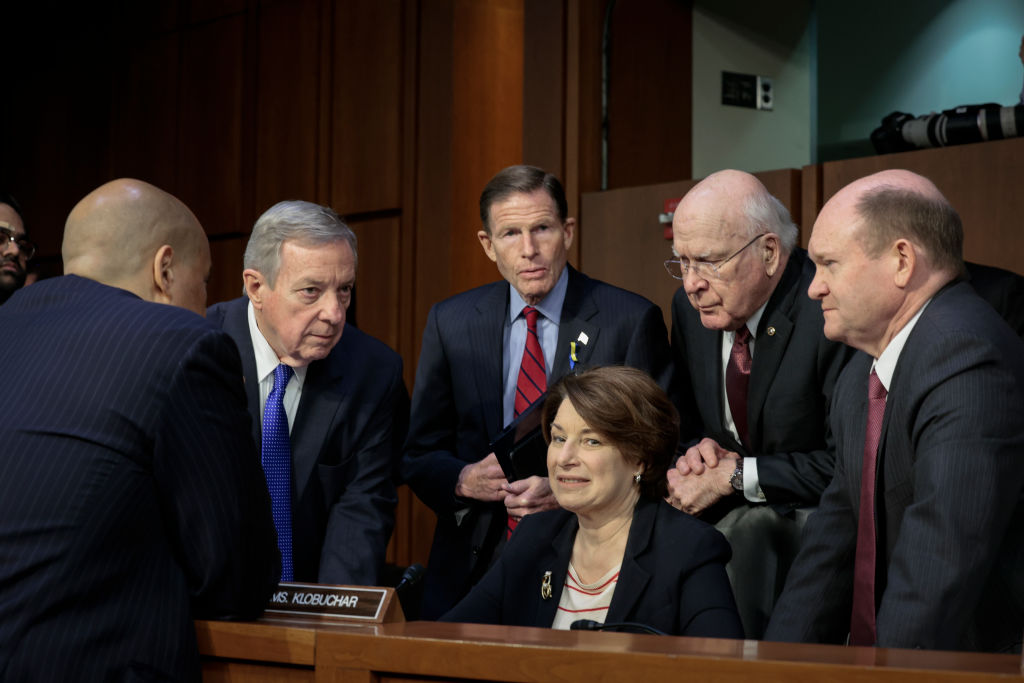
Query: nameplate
{"points": [[364, 604]]}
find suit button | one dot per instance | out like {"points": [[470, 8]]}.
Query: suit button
{"points": [[476, 550]]}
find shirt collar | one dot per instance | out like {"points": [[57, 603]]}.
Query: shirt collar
{"points": [[266, 358], [885, 365], [550, 306]]}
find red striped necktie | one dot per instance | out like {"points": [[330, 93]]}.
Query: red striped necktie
{"points": [[532, 380]]}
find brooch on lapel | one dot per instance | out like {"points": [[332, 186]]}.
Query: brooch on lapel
{"points": [[573, 358], [545, 586]]}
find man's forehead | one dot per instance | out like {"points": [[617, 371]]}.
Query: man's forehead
{"points": [[10, 219], [702, 234]]}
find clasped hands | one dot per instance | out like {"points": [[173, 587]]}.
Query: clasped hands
{"points": [[486, 481], [701, 477]]}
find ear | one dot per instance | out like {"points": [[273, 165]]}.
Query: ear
{"points": [[568, 231], [163, 274], [771, 253], [485, 242], [905, 257], [255, 285]]}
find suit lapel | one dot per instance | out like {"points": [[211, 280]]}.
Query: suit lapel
{"points": [[633, 578], [484, 335], [707, 376], [556, 561], [236, 324], [322, 395], [577, 311]]}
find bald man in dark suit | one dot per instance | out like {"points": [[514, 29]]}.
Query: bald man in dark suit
{"points": [[131, 498]]}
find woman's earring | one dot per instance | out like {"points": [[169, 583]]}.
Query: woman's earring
{"points": [[636, 477]]}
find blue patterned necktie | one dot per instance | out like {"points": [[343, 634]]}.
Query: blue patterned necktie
{"points": [[276, 456]]}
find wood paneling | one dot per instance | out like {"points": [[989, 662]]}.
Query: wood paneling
{"points": [[649, 118], [210, 176], [366, 132], [287, 104], [226, 268], [982, 182], [377, 277]]}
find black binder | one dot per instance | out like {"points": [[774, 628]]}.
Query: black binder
{"points": [[520, 447]]}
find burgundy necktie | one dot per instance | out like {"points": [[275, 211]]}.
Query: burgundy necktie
{"points": [[533, 379], [737, 381], [862, 621]]}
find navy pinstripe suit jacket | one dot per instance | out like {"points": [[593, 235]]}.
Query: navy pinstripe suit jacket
{"points": [[131, 497]]}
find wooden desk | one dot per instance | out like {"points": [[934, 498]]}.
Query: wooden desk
{"points": [[294, 650]]}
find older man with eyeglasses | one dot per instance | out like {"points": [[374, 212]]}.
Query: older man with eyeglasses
{"points": [[755, 378], [15, 249]]}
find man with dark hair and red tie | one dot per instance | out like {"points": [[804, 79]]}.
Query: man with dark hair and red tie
{"points": [[488, 353], [755, 375], [328, 402], [917, 541]]}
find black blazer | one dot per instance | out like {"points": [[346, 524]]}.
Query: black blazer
{"points": [[791, 382], [131, 496], [346, 439], [457, 406], [672, 578], [949, 516]]}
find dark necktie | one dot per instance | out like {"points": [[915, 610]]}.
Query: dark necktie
{"points": [[532, 380], [862, 621], [276, 456], [737, 381]]}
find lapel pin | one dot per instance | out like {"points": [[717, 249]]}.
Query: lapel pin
{"points": [[572, 356], [545, 586], [583, 338], [771, 331]]}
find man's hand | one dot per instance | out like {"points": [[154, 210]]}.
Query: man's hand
{"points": [[529, 495], [705, 454], [482, 480], [701, 477]]}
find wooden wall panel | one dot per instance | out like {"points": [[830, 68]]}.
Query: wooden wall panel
{"points": [[145, 113], [487, 120], [377, 278], [544, 85], [287, 104], [226, 268], [649, 117], [210, 173], [981, 181], [366, 135]]}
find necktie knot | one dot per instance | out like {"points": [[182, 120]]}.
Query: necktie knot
{"points": [[876, 390], [742, 335], [282, 375], [531, 314]]}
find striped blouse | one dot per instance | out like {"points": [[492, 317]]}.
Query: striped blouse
{"points": [[585, 600]]}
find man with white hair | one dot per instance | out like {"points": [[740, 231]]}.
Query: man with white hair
{"points": [[917, 541], [328, 402], [755, 376]]}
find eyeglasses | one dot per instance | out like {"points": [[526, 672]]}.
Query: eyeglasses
{"points": [[26, 248], [705, 270]]}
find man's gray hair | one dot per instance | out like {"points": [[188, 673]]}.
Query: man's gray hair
{"points": [[307, 223], [765, 213]]}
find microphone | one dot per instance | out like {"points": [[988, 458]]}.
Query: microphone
{"points": [[591, 625], [410, 577]]}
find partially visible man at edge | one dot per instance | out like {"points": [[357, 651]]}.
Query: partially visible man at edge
{"points": [[131, 501], [755, 377], [917, 541], [15, 247]]}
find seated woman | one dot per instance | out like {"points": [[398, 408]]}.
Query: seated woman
{"points": [[616, 552]]}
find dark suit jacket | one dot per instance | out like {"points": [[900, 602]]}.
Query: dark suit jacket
{"points": [[792, 376], [346, 439], [672, 576], [1003, 289], [457, 406], [131, 499], [949, 516]]}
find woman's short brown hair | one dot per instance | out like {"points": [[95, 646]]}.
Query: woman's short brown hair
{"points": [[626, 407]]}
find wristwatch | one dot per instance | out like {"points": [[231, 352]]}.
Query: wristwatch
{"points": [[736, 479]]}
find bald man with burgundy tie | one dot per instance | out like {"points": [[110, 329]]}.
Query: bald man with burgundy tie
{"points": [[491, 352], [918, 540]]}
